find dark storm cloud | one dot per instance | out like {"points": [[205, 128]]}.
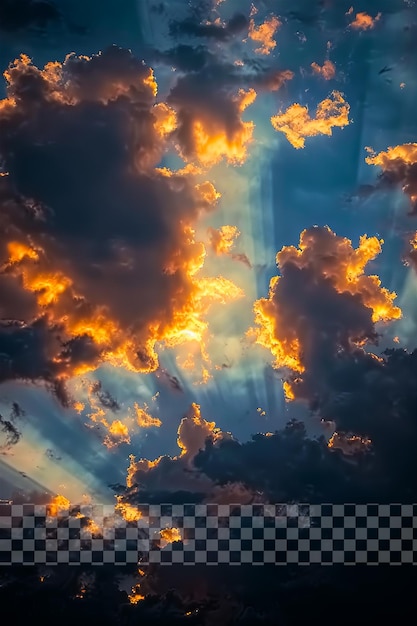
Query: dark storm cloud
{"points": [[191, 27], [370, 398], [93, 237], [360, 395]]}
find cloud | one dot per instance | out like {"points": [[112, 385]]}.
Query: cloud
{"points": [[351, 445], [296, 123], [91, 127], [363, 21], [222, 240], [264, 34], [210, 126], [177, 478], [104, 397], [272, 80], [217, 30], [322, 305], [326, 71], [399, 167], [144, 419], [169, 535], [183, 57], [9, 429]]}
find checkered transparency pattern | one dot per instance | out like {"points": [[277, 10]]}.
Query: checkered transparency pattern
{"points": [[211, 534]]}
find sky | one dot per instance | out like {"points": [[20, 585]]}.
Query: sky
{"points": [[208, 290], [132, 308]]}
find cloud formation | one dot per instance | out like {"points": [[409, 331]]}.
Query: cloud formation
{"points": [[297, 124], [92, 126], [363, 21], [399, 167], [222, 241], [263, 35], [326, 71], [210, 126], [11, 434], [322, 305]]}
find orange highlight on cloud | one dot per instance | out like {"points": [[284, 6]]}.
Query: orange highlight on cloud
{"points": [[297, 124]]}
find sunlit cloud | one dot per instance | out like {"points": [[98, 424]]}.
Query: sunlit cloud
{"points": [[326, 71], [264, 34], [321, 303], [297, 124], [350, 445], [363, 21], [399, 167], [75, 323]]}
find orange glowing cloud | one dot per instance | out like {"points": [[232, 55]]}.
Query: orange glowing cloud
{"points": [[363, 21], [59, 505], [116, 431], [407, 153], [264, 34], [296, 123], [399, 166], [222, 241], [143, 419], [210, 141], [147, 249], [169, 535], [135, 596], [129, 512], [322, 301], [177, 472], [326, 71], [350, 445]]}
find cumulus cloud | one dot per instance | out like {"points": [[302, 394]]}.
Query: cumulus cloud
{"points": [[297, 124], [210, 126], [178, 478], [399, 168], [320, 306], [92, 127]]}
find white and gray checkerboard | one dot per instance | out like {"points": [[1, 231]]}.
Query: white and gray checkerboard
{"points": [[212, 534]]}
